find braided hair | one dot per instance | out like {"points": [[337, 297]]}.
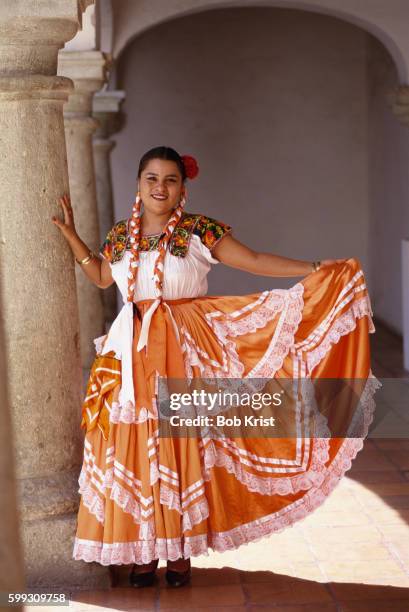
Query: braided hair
{"points": [[165, 153]]}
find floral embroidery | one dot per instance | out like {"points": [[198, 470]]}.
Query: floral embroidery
{"points": [[209, 230], [115, 242], [149, 243], [179, 242]]}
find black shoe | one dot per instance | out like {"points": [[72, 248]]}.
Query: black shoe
{"points": [[178, 579], [142, 579]]}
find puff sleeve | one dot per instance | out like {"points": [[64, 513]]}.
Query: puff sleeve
{"points": [[115, 243], [210, 232], [105, 249]]}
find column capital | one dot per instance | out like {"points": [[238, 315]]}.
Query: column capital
{"points": [[108, 101], [31, 33], [398, 99], [106, 109], [34, 86], [88, 71], [82, 6]]}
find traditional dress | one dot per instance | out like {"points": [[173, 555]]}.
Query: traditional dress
{"points": [[145, 496]]}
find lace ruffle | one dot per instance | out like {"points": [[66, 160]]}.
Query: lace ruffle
{"points": [[317, 481], [172, 549], [283, 338], [126, 413], [289, 302], [343, 325], [272, 302], [141, 509]]}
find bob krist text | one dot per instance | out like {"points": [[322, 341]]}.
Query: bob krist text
{"points": [[189, 407]]}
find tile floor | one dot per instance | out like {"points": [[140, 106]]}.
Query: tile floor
{"points": [[350, 555]]}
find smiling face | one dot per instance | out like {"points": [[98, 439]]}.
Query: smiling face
{"points": [[160, 186]]}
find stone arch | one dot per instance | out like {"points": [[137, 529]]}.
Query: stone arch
{"points": [[131, 19], [167, 25]]}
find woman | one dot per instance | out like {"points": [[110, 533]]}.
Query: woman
{"points": [[146, 495]]}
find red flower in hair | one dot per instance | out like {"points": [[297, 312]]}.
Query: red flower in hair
{"points": [[191, 167]]}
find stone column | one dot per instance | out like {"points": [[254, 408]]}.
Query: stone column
{"points": [[11, 558], [106, 105], [399, 101], [87, 70], [40, 310]]}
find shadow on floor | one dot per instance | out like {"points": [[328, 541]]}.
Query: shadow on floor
{"points": [[235, 590]]}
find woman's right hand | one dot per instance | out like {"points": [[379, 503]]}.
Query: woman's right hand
{"points": [[67, 226]]}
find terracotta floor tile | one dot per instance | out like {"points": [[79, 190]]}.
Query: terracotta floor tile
{"points": [[401, 550], [337, 519], [288, 536], [349, 551], [285, 590], [391, 424], [397, 580], [116, 599], [216, 609], [352, 533], [340, 500], [304, 571], [328, 607], [389, 516], [359, 592], [377, 476], [361, 577], [379, 606], [385, 489], [402, 411], [274, 566], [400, 458], [391, 444], [368, 567], [395, 392], [292, 550], [395, 502], [193, 597], [232, 559], [258, 576], [371, 460], [395, 532], [212, 576], [308, 571], [400, 582], [44, 608], [112, 607]]}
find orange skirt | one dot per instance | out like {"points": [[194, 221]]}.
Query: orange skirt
{"points": [[146, 496]]}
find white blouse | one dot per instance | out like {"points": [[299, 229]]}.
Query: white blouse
{"points": [[184, 277]]}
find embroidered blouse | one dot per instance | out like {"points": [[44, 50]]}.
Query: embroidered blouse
{"points": [[187, 262], [209, 230]]}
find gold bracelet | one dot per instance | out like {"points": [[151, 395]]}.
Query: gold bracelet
{"points": [[86, 260], [316, 265]]}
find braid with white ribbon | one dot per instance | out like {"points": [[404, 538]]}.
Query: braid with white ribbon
{"points": [[135, 235]]}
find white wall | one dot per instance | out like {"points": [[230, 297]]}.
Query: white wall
{"points": [[274, 105], [389, 197]]}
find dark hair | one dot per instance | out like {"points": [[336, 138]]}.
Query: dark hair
{"points": [[166, 153]]}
